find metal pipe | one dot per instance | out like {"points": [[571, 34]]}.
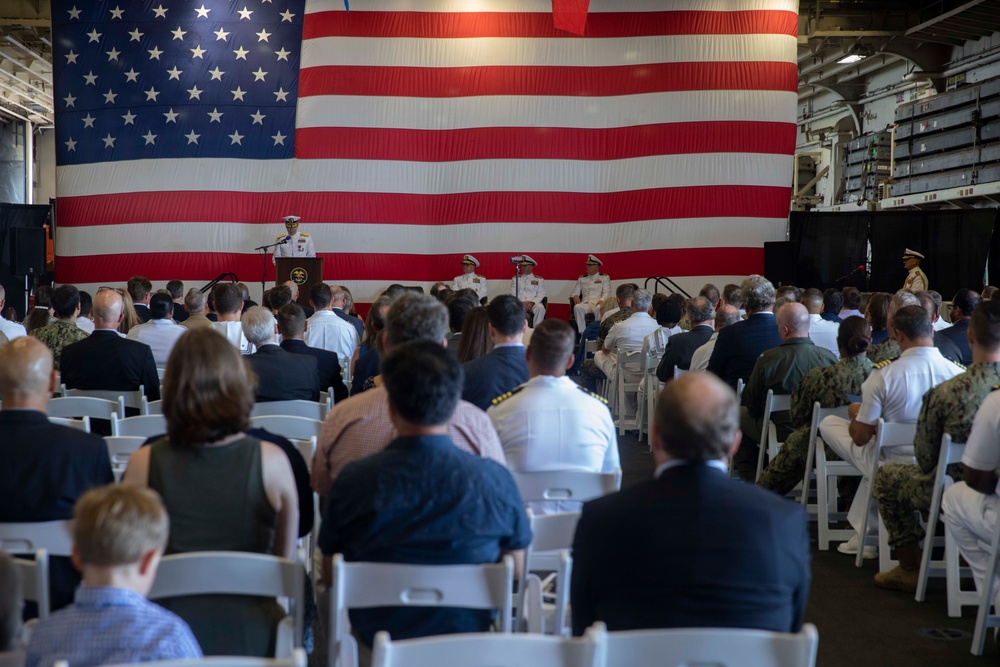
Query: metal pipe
{"points": [[10, 75], [25, 96], [29, 163], [47, 79], [982, 59]]}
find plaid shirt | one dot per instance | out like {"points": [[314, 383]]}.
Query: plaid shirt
{"points": [[106, 626]]}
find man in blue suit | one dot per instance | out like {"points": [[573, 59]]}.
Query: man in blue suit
{"points": [[691, 548], [739, 345], [504, 368]]}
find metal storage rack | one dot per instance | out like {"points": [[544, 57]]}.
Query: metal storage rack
{"points": [[869, 164]]}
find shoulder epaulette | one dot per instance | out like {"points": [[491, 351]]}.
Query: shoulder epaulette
{"points": [[279, 237], [592, 394], [303, 233], [503, 397], [959, 364], [882, 364]]}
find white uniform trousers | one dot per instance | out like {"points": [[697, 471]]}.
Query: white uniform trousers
{"points": [[835, 433], [538, 314], [971, 517], [580, 311]]}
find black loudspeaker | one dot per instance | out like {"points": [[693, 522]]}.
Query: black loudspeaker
{"points": [[27, 251], [779, 262]]}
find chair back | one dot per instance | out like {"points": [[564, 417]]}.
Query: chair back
{"points": [[818, 415], [82, 424], [233, 573], [768, 441], [56, 537], [365, 585], [35, 575], [131, 399], [152, 407], [298, 408], [85, 406], [143, 425], [566, 484], [718, 647], [298, 658], [486, 649], [678, 371], [120, 448], [549, 551], [307, 448], [293, 428]]}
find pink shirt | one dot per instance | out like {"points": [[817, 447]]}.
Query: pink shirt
{"points": [[360, 427]]}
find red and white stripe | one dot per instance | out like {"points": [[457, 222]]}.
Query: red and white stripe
{"points": [[660, 141]]}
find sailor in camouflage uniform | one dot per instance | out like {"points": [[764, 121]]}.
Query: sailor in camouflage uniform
{"points": [[833, 386], [62, 332], [902, 489]]}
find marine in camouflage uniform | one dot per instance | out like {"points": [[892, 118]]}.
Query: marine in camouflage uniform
{"points": [[590, 374], [884, 351], [903, 489], [58, 335], [831, 386]]}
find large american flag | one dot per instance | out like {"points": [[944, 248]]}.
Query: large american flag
{"points": [[409, 132]]}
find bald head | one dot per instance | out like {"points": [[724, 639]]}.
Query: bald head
{"points": [[793, 321], [26, 377], [697, 419], [108, 309]]}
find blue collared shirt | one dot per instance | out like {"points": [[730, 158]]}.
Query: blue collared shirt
{"points": [[107, 626]]}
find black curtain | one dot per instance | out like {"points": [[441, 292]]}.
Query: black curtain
{"points": [[828, 247], [16, 215], [955, 244]]}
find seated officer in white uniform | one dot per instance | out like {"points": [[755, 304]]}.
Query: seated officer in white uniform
{"points": [[469, 279], [591, 289], [298, 244], [971, 506], [550, 422], [894, 391], [530, 290]]}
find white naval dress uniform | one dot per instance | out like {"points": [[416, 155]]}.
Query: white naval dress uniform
{"points": [[531, 288], [471, 281], [300, 245], [894, 391], [824, 333], [233, 331], [971, 516], [592, 290], [552, 423], [327, 331], [916, 280]]}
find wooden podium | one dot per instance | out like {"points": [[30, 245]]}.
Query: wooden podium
{"points": [[303, 271]]}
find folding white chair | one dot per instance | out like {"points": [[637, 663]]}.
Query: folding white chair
{"points": [[327, 400], [549, 551], [152, 407], [628, 377], [307, 448], [297, 658], [951, 452], [56, 537], [35, 575], [131, 399], [143, 425], [887, 434], [365, 585], [293, 428], [826, 493], [769, 432], [120, 448], [487, 649], [984, 619], [650, 387], [298, 408], [85, 406], [566, 484], [82, 424], [237, 573], [719, 647]]}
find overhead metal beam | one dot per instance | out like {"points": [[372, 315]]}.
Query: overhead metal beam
{"points": [[17, 62], [12, 76], [25, 96]]}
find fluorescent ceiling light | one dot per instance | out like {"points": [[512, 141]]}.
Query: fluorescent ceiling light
{"points": [[853, 58]]}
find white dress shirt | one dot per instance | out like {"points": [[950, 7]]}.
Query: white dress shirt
{"points": [[160, 336], [699, 360], [233, 331], [824, 333], [12, 329], [327, 331]]}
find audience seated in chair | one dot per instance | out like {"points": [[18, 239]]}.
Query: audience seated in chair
{"points": [[550, 422], [779, 369], [237, 494], [62, 332], [691, 548], [194, 304], [229, 308], [902, 489], [160, 333], [292, 327], [281, 375], [422, 500], [724, 316], [119, 535], [739, 345], [680, 348], [504, 368], [44, 468], [361, 425], [325, 329]]}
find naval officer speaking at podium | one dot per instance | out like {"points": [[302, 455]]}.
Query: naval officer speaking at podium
{"points": [[294, 243]]}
